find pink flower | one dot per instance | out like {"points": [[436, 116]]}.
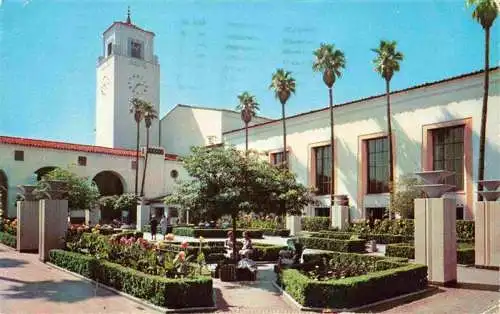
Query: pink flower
{"points": [[181, 256], [184, 244]]}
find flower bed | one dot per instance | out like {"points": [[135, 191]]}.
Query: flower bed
{"points": [[8, 239], [215, 233], [8, 225], [465, 252], [353, 291], [170, 293], [354, 246]]}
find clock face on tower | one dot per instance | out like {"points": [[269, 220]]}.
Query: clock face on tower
{"points": [[104, 85], [137, 85]]}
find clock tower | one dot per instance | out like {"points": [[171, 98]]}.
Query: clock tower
{"points": [[127, 68]]}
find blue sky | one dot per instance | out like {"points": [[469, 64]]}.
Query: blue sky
{"points": [[210, 51]]}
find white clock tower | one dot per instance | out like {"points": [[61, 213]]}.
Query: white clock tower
{"points": [[128, 68]]}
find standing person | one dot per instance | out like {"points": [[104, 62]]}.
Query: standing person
{"points": [[154, 225], [163, 226]]}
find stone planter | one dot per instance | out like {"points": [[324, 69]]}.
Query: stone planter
{"points": [[26, 192], [57, 189]]}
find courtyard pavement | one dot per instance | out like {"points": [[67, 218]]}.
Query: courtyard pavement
{"points": [[29, 286]]}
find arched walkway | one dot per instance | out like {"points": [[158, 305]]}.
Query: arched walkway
{"points": [[109, 183], [4, 194], [43, 171]]}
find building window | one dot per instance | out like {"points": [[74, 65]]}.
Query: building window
{"points": [[82, 161], [323, 173], [174, 174], [19, 155], [375, 212], [460, 213], [448, 154], [277, 158], [136, 49], [134, 164], [110, 49], [322, 211], [378, 165]]}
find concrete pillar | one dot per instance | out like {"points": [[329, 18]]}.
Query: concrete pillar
{"points": [[294, 224], [436, 238], [27, 226], [143, 212], [340, 216], [187, 217], [53, 226], [487, 234], [92, 216]]}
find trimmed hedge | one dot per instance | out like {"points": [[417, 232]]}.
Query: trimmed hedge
{"points": [[276, 232], [315, 223], [170, 293], [354, 246], [379, 238], [354, 291], [215, 233], [8, 239], [465, 252]]}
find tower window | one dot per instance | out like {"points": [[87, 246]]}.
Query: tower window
{"points": [[136, 49], [110, 49], [19, 155], [82, 160]]}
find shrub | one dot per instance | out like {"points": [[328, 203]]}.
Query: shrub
{"points": [[170, 293], [263, 252], [356, 246], [8, 239], [276, 232], [465, 252], [379, 238], [377, 262], [215, 233], [315, 223], [465, 230], [146, 228], [405, 194], [354, 291]]}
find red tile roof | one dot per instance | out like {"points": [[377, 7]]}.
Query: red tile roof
{"points": [[128, 25], [73, 147], [453, 78]]}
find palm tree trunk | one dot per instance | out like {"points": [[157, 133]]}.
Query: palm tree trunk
{"points": [[145, 162], [137, 160], [482, 137], [389, 141], [285, 157], [246, 138], [332, 140]]}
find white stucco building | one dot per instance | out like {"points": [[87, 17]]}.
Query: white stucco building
{"points": [[435, 126]]}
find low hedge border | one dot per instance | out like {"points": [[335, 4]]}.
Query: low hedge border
{"points": [[465, 252], [354, 291], [8, 239], [170, 293], [315, 223], [381, 262], [351, 246], [276, 232], [215, 233], [382, 238]]}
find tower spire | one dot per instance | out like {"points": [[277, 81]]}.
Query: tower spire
{"points": [[128, 16]]}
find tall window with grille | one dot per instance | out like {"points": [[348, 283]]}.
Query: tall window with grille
{"points": [[322, 160], [448, 154], [377, 150], [277, 158]]}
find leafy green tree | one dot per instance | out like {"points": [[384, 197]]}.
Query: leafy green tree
{"points": [[330, 62], [386, 64], [404, 196], [150, 114], [248, 107], [225, 182], [485, 12], [137, 108], [82, 193], [283, 85]]}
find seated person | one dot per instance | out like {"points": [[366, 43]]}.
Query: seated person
{"points": [[247, 248], [292, 254], [228, 244]]}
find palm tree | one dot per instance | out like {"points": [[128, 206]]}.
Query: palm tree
{"points": [[150, 114], [485, 13], [283, 85], [248, 106], [386, 63], [330, 61], [137, 109]]}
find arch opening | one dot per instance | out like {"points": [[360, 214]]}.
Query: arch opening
{"points": [[40, 173], [109, 183]]}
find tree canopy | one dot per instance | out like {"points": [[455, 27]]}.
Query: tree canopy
{"points": [[224, 182]]}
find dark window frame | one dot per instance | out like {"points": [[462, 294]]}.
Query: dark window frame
{"points": [[133, 165], [377, 165], [448, 153], [276, 158], [109, 49], [82, 161], [136, 49], [19, 155], [322, 164], [322, 211]]}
